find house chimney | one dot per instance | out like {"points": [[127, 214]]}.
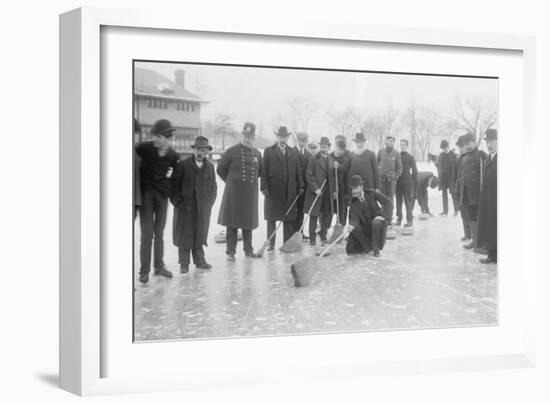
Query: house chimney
{"points": [[180, 77]]}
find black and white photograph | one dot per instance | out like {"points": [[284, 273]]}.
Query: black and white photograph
{"points": [[271, 201]]}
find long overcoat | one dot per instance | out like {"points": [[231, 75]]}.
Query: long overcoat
{"points": [[487, 225], [470, 186], [366, 166], [282, 178], [319, 169], [194, 192], [447, 166], [240, 168]]}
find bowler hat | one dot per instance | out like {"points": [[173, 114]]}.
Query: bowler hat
{"points": [[469, 137], [324, 141], [444, 144], [201, 142], [249, 129], [359, 137], [355, 181], [491, 134], [162, 127], [302, 136], [282, 132], [460, 141]]}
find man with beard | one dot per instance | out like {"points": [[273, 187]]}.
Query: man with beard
{"points": [[240, 168], [194, 194], [319, 172], [281, 182], [363, 163], [446, 169], [158, 159], [458, 183], [340, 156], [390, 167], [367, 226], [406, 185], [487, 229], [470, 188], [303, 156]]}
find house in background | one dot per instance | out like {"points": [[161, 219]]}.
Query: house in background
{"points": [[157, 97]]}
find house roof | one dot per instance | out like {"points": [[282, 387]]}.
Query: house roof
{"points": [[150, 83]]}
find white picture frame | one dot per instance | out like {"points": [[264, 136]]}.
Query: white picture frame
{"points": [[83, 341]]}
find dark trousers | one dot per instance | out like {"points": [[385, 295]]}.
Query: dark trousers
{"points": [[404, 194], [492, 254], [341, 211], [231, 239], [360, 242], [446, 200], [288, 230], [198, 255], [388, 188], [422, 196], [299, 213], [465, 221], [325, 218], [152, 218]]}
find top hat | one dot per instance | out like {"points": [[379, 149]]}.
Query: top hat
{"points": [[249, 129], [355, 181], [469, 137], [359, 137], [324, 141], [201, 142], [444, 144], [491, 134], [301, 136], [162, 127], [282, 132]]}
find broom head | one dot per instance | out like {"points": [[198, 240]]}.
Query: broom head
{"points": [[303, 271], [337, 230], [293, 244]]}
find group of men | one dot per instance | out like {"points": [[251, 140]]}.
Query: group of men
{"points": [[304, 182]]}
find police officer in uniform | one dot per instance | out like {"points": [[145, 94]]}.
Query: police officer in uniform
{"points": [[240, 168]]}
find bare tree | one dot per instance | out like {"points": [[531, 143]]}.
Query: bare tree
{"points": [[428, 124], [474, 115], [301, 113], [223, 129], [378, 125], [346, 123]]}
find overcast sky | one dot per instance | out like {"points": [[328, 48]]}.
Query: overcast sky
{"points": [[260, 95]]}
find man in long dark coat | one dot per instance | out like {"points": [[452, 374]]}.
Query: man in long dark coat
{"points": [[340, 156], [406, 185], [194, 193], [319, 171], [446, 170], [458, 183], [487, 228], [240, 168], [158, 160], [363, 163], [367, 226], [304, 155], [281, 183], [390, 167], [470, 187]]}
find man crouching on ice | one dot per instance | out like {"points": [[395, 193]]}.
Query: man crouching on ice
{"points": [[367, 226]]}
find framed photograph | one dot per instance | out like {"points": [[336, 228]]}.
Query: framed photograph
{"points": [[244, 202]]}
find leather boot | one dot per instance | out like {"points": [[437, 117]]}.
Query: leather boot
{"points": [[473, 232]]}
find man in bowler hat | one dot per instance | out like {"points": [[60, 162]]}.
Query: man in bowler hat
{"points": [[281, 182], [363, 163], [158, 159], [240, 168], [446, 170], [304, 155], [390, 167], [487, 226], [194, 194]]}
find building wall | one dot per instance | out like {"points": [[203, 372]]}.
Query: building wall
{"points": [[180, 118]]}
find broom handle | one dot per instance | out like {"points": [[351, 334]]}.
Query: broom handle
{"points": [[333, 243], [337, 197], [313, 204], [280, 222]]}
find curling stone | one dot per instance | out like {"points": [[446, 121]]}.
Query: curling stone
{"points": [[391, 233], [423, 216], [407, 230], [220, 237]]}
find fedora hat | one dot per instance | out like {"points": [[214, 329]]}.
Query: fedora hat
{"points": [[249, 129], [163, 127], [201, 142], [359, 137], [282, 132], [324, 141], [491, 134]]}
